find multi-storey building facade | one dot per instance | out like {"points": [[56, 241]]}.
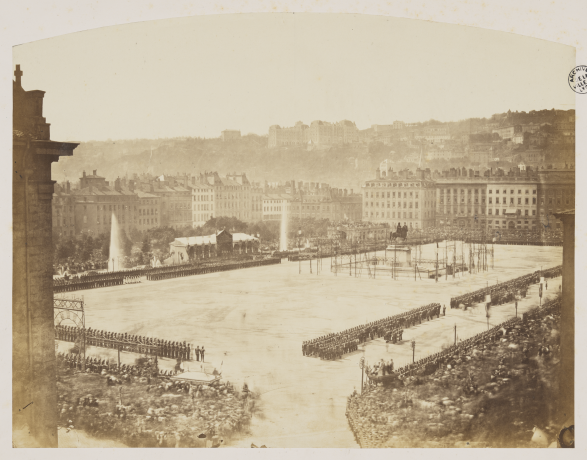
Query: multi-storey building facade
{"points": [[400, 198], [521, 198], [176, 204], [296, 135], [202, 203], [256, 202], [275, 205], [230, 135], [512, 202], [507, 132], [149, 206], [97, 203], [232, 195], [318, 133], [556, 192], [63, 209], [461, 201]]}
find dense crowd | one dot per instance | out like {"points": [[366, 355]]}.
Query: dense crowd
{"points": [[335, 345], [143, 407], [498, 236], [357, 224], [507, 291], [477, 367], [130, 342], [95, 365]]}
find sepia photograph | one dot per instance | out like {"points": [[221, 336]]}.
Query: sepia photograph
{"points": [[293, 230]]}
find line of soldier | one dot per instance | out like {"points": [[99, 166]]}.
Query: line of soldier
{"points": [[505, 292], [99, 366], [453, 354], [189, 270], [78, 285], [97, 277], [335, 345], [138, 343]]}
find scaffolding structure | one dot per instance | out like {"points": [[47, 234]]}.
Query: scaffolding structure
{"points": [[378, 258], [71, 309]]}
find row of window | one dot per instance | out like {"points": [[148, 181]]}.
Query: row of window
{"points": [[203, 207], [399, 204], [202, 217], [391, 215], [146, 212], [399, 194], [148, 221]]}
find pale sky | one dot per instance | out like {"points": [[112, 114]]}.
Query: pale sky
{"points": [[197, 76]]}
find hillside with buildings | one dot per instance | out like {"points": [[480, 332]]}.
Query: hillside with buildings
{"points": [[340, 153]]}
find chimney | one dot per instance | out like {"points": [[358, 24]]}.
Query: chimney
{"points": [[345, 192], [95, 172], [84, 174], [68, 185], [117, 184], [352, 192]]}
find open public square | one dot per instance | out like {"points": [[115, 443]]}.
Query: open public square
{"points": [[253, 321]]}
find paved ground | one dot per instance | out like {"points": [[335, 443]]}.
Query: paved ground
{"points": [[254, 321]]}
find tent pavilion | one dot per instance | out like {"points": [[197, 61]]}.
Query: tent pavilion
{"points": [[221, 244]]}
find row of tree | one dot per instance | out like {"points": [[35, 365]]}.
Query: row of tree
{"points": [[140, 247]]}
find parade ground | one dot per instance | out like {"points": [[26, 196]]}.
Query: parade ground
{"points": [[253, 321]]}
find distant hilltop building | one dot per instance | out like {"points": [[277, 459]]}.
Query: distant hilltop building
{"points": [[319, 133], [230, 135]]}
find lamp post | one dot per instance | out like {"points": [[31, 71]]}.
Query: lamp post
{"points": [[413, 351], [362, 367], [299, 252]]}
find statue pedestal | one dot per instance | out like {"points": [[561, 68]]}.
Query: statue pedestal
{"points": [[399, 255]]}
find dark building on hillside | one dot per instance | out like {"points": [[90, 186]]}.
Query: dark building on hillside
{"points": [[33, 333]]}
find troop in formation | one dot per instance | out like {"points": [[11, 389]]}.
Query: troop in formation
{"points": [[505, 292], [131, 343], [335, 345], [89, 282], [189, 270], [457, 353]]}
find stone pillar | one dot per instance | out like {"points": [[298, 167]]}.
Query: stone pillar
{"points": [[567, 333], [34, 389]]}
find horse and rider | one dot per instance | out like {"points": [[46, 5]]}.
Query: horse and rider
{"points": [[401, 232]]}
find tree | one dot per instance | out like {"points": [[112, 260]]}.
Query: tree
{"points": [[126, 243], [146, 247], [106, 246]]}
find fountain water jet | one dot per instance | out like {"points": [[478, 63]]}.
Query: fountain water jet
{"points": [[115, 252], [283, 231]]}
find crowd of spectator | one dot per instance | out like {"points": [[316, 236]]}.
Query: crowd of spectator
{"points": [[143, 407], [477, 367]]}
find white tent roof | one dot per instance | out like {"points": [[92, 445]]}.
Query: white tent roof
{"points": [[211, 239]]}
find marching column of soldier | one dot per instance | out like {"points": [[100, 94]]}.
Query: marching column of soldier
{"points": [[457, 353], [335, 345], [134, 343], [505, 292]]}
